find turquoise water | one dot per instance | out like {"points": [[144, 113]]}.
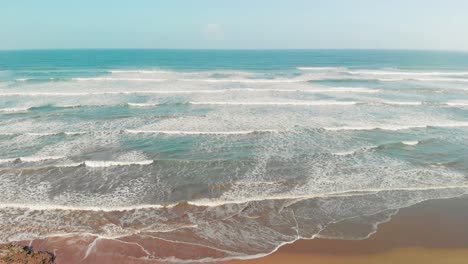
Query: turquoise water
{"points": [[238, 151]]}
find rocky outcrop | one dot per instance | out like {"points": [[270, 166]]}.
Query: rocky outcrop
{"points": [[12, 254]]}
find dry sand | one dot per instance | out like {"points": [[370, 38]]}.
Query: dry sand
{"points": [[431, 232]]}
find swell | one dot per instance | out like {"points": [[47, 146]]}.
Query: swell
{"points": [[247, 132], [394, 72], [396, 78], [376, 147], [398, 127], [111, 163], [460, 104], [136, 131], [214, 91], [221, 202]]}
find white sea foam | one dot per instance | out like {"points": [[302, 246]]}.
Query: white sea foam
{"points": [[14, 110], [320, 68], [243, 80], [142, 104], [347, 193], [402, 103], [73, 133], [178, 132], [422, 79], [353, 151], [214, 91], [7, 160], [310, 103], [410, 73], [396, 127], [139, 71], [68, 106], [41, 134], [50, 207], [101, 163], [40, 158], [457, 103], [215, 202], [120, 79], [69, 165], [410, 143]]}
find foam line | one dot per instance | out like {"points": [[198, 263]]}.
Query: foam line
{"points": [[40, 158], [243, 80], [328, 90], [142, 104], [7, 160], [382, 72], [14, 110], [396, 127], [104, 164], [179, 132], [320, 68], [119, 79], [402, 103], [457, 103], [316, 103], [221, 202], [410, 143]]}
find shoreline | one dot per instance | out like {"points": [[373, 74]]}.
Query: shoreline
{"points": [[433, 231], [428, 232]]}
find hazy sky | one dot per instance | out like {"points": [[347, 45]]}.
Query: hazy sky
{"points": [[236, 24]]}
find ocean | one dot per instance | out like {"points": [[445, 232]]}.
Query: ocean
{"points": [[233, 153]]}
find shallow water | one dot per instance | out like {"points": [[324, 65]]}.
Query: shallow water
{"points": [[237, 151]]}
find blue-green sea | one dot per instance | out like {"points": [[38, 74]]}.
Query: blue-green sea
{"points": [[238, 151]]}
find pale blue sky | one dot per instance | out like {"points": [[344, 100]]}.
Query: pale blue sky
{"points": [[234, 24]]}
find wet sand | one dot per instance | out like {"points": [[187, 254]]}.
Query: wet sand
{"points": [[431, 232], [434, 231]]}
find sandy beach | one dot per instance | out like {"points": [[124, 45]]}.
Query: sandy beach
{"points": [[431, 232]]}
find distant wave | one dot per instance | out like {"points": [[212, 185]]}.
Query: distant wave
{"points": [[133, 131], [390, 127], [103, 164], [248, 103], [42, 80], [311, 103], [7, 160], [43, 134], [353, 151], [327, 90], [410, 143], [191, 80], [243, 80], [220, 202], [457, 103], [410, 73], [14, 110], [396, 127], [119, 79], [179, 132], [139, 71], [87, 163], [67, 106], [27, 109], [422, 79], [401, 103], [40, 158], [320, 68], [142, 104]]}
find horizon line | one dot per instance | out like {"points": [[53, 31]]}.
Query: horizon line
{"points": [[240, 49]]}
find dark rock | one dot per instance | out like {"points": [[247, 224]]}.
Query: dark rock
{"points": [[13, 254]]}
